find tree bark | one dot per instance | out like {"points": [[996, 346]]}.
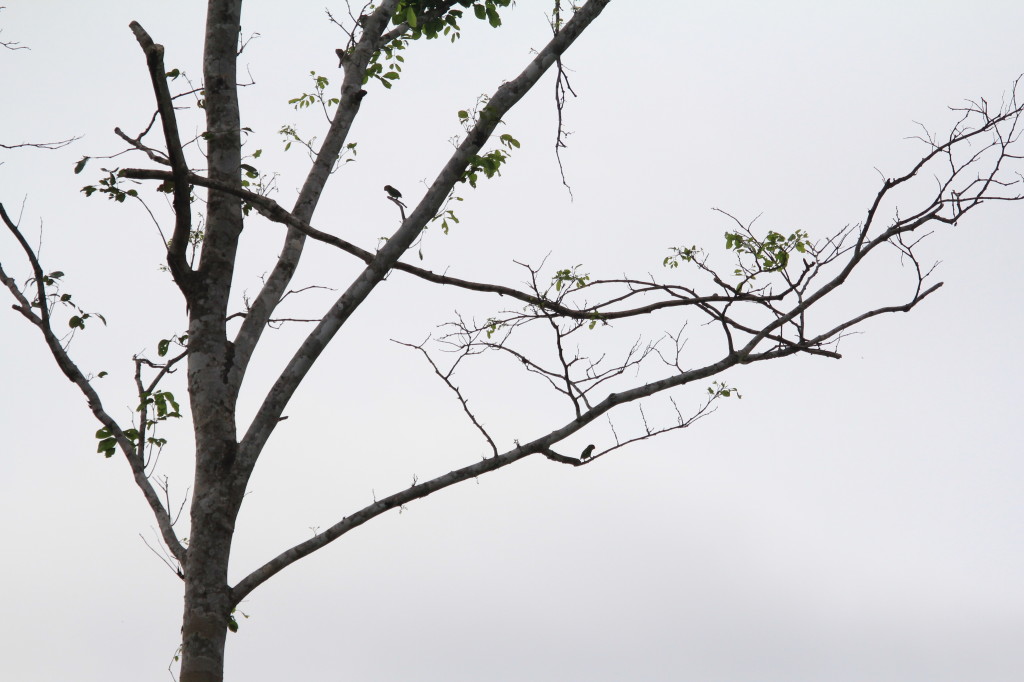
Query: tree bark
{"points": [[212, 377], [207, 595]]}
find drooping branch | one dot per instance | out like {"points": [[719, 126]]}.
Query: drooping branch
{"points": [[42, 321]]}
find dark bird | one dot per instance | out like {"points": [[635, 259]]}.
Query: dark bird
{"points": [[587, 452], [395, 194]]}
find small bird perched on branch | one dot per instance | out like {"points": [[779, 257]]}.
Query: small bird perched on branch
{"points": [[587, 452], [394, 195]]}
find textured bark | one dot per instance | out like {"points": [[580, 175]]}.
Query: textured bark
{"points": [[212, 379]]}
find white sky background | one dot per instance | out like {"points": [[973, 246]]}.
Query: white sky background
{"points": [[847, 520]]}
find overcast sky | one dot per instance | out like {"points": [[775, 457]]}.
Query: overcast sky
{"points": [[851, 520]]}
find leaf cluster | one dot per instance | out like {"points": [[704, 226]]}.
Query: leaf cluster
{"points": [[159, 406], [771, 253], [107, 185], [490, 163], [56, 296]]}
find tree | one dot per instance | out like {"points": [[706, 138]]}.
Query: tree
{"points": [[777, 275]]}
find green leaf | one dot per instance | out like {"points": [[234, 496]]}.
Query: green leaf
{"points": [[162, 347], [80, 166], [410, 16], [480, 11], [492, 16], [107, 447]]}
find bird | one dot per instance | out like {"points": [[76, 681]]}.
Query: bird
{"points": [[395, 194], [587, 452]]}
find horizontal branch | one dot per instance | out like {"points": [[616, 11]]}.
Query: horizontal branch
{"points": [[274, 212]]}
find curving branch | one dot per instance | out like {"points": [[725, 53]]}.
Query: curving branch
{"points": [[37, 313]]}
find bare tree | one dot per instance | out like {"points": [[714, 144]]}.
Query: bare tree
{"points": [[764, 296]]}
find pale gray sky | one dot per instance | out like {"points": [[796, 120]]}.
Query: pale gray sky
{"points": [[845, 521]]}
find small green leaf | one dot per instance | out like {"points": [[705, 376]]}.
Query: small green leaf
{"points": [[80, 166], [492, 16], [107, 447]]}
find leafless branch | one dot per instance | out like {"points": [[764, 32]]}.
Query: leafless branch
{"points": [[446, 377], [42, 145]]}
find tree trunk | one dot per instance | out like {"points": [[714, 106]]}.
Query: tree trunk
{"points": [[212, 376], [207, 594]]}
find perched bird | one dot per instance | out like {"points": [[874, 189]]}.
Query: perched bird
{"points": [[395, 194], [587, 452]]}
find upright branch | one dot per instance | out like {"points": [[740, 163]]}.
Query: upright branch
{"points": [[176, 259], [350, 99], [498, 105]]}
